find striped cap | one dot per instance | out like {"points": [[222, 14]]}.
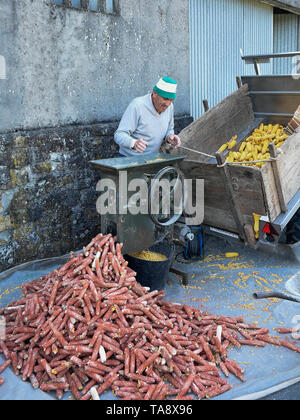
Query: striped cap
{"points": [[166, 88]]}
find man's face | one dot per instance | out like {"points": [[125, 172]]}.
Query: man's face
{"points": [[160, 104]]}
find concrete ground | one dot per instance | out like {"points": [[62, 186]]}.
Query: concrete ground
{"points": [[224, 287], [291, 393]]}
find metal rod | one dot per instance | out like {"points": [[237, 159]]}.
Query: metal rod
{"points": [[257, 68], [196, 151]]}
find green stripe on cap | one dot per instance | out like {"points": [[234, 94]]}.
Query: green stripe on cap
{"points": [[164, 94], [166, 87], [169, 80]]}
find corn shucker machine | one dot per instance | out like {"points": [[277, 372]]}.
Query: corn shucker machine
{"points": [[141, 201]]}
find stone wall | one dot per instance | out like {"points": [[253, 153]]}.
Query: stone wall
{"points": [[47, 189], [63, 72]]}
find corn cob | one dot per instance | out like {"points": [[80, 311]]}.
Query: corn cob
{"points": [[256, 146]]}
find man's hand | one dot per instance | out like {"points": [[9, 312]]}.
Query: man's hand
{"points": [[174, 140], [140, 146]]}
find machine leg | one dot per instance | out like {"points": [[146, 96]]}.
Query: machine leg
{"points": [[183, 274]]}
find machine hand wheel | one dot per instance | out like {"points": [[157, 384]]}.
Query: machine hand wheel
{"points": [[166, 196]]}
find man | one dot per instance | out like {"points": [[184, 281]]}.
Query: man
{"points": [[148, 121]]}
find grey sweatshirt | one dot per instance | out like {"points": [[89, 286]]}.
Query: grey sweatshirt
{"points": [[141, 120]]}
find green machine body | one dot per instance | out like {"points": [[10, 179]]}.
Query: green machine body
{"points": [[118, 187]]}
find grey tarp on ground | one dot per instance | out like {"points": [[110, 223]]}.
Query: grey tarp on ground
{"points": [[217, 285]]}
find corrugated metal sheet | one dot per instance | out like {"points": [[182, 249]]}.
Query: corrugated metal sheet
{"points": [[219, 29], [298, 49], [286, 34]]}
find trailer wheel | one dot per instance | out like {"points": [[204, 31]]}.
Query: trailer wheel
{"points": [[293, 229]]}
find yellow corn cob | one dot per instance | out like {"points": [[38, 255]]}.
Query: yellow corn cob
{"points": [[276, 141], [282, 138], [243, 156], [231, 144], [223, 147], [242, 148], [249, 147], [229, 159], [265, 147], [256, 218], [231, 254]]}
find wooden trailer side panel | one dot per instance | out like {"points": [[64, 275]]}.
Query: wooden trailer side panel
{"points": [[289, 176], [247, 196], [247, 185], [247, 182], [217, 211], [233, 193], [270, 190], [289, 167], [230, 117]]}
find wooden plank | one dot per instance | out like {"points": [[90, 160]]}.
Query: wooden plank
{"points": [[231, 194], [247, 184], [205, 105], [289, 177], [277, 178], [288, 166], [220, 218], [247, 192], [217, 212], [231, 116], [270, 192]]}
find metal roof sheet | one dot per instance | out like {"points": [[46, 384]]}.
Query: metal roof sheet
{"points": [[290, 5]]}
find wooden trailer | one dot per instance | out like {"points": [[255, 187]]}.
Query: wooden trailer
{"points": [[233, 193]]}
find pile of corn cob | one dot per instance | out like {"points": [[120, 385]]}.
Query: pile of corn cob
{"points": [[89, 326], [255, 147]]}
